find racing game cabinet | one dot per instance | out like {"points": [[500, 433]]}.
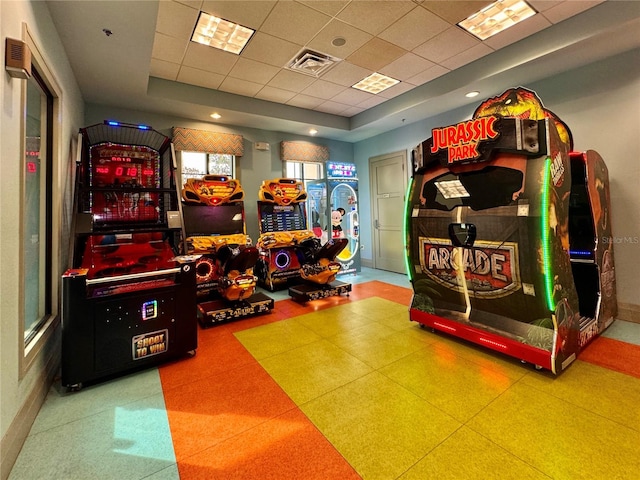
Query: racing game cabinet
{"points": [[213, 211], [496, 240], [128, 298], [290, 254]]}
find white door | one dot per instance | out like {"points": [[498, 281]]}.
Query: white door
{"points": [[388, 186]]}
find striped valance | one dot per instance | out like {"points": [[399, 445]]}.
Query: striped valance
{"points": [[191, 140], [303, 152]]}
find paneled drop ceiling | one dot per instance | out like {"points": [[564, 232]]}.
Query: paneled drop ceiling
{"points": [[148, 61]]}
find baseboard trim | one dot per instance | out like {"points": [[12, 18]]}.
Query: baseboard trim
{"points": [[18, 431], [629, 312]]}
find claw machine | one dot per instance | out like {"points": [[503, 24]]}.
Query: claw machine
{"points": [[333, 211]]}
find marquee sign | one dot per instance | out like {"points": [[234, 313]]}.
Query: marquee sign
{"points": [[490, 271]]}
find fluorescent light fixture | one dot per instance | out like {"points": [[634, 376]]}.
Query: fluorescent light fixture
{"points": [[313, 131], [475, 93], [452, 189], [215, 116], [497, 17], [375, 83], [219, 33]]}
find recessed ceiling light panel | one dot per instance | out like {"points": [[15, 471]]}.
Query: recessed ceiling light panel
{"points": [[497, 17], [375, 83], [220, 33]]}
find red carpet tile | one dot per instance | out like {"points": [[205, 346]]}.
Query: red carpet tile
{"points": [[613, 354]]}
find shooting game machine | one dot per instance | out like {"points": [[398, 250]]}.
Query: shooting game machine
{"points": [[509, 234]]}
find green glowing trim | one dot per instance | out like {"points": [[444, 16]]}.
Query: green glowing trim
{"points": [[547, 261], [405, 229]]}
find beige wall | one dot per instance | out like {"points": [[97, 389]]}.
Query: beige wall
{"points": [[23, 385]]}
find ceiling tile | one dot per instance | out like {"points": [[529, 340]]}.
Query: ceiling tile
{"points": [[428, 75], [564, 10], [294, 22], [330, 7], [292, 81], [454, 12], [192, 3], [446, 45], [305, 101], [176, 20], [332, 107], [271, 50], [351, 96], [416, 27], [374, 16], [168, 48], [397, 89], [247, 13], [162, 69], [517, 32], [195, 76], [346, 74], [406, 66], [209, 59], [273, 94], [542, 5], [351, 111], [323, 89], [375, 54], [240, 87], [253, 71], [335, 28], [468, 56], [372, 102]]}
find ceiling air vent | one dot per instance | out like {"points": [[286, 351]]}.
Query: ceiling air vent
{"points": [[311, 63]]}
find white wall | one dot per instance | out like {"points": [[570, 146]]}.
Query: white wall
{"points": [[601, 105], [21, 393]]}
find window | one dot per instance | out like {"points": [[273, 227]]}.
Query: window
{"points": [[303, 170], [37, 216], [198, 164]]}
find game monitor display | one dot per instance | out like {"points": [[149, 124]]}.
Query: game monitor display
{"points": [[282, 218], [226, 219]]}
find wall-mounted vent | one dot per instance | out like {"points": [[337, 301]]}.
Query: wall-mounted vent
{"points": [[311, 63], [17, 60]]}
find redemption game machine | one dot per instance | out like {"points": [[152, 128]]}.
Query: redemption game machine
{"points": [[290, 254], [129, 299], [214, 219], [508, 234]]}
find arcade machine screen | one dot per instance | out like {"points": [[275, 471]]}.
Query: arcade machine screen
{"points": [[220, 220], [281, 218]]}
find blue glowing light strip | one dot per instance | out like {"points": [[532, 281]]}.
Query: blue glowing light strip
{"points": [[546, 248]]}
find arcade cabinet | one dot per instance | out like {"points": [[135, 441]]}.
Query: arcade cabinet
{"points": [[508, 234], [213, 211], [290, 254], [128, 300]]}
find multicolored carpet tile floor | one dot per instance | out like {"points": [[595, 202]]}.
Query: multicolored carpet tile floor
{"points": [[347, 388]]}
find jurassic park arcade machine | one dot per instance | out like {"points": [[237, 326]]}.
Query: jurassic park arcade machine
{"points": [[507, 234], [128, 300], [290, 254], [213, 211]]}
